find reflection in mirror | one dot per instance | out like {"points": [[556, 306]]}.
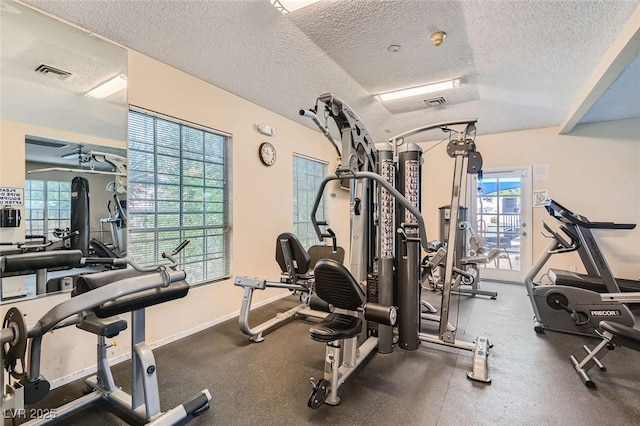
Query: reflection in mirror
{"points": [[62, 149]]}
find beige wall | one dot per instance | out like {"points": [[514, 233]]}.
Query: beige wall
{"points": [[594, 171]]}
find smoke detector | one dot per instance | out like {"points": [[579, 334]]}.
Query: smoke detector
{"points": [[438, 37]]}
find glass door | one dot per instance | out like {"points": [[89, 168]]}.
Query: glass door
{"points": [[500, 211]]}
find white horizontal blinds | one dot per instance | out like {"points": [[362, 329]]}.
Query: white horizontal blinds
{"points": [[177, 191], [307, 176], [47, 206]]}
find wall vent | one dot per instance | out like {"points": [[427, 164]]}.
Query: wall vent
{"points": [[49, 70], [433, 102]]}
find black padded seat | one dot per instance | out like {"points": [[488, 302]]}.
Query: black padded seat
{"points": [[623, 335], [336, 285], [336, 326], [325, 252], [481, 258], [131, 302], [107, 327], [300, 256]]}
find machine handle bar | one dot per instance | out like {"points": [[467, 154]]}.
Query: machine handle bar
{"points": [[129, 261], [563, 214], [565, 246], [386, 185], [325, 131]]}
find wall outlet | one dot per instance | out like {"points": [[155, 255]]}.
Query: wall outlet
{"points": [[573, 268]]}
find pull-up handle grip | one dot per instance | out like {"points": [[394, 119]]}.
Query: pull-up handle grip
{"points": [[179, 248], [403, 234]]}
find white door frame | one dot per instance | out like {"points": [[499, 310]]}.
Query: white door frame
{"points": [[526, 215]]}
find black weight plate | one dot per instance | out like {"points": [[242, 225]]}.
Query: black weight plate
{"points": [[15, 351]]}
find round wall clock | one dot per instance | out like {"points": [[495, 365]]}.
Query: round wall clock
{"points": [[267, 154]]}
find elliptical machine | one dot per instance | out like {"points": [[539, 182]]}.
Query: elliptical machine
{"points": [[567, 308]]}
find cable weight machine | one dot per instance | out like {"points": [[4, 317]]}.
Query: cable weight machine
{"points": [[387, 227]]}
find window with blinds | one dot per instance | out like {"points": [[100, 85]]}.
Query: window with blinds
{"points": [[307, 176], [178, 190], [47, 206]]}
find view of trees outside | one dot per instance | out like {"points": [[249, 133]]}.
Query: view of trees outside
{"points": [[50, 200], [307, 177], [177, 191]]}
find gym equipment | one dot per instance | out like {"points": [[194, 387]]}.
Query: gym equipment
{"points": [[117, 207], [117, 221], [612, 334], [340, 329], [387, 228], [296, 265], [566, 308], [11, 262], [468, 160], [467, 259], [97, 301], [478, 254], [599, 277], [80, 214]]}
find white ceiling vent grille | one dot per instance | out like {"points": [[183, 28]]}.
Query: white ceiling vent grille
{"points": [[433, 102], [53, 71]]}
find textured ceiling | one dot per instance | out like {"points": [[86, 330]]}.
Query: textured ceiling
{"points": [[523, 64]]}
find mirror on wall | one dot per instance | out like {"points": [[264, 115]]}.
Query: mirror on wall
{"points": [[62, 147]]}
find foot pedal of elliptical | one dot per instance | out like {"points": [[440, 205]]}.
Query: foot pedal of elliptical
{"points": [[480, 371]]}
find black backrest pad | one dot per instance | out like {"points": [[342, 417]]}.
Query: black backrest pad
{"points": [[299, 254], [336, 285], [131, 302], [41, 259], [325, 252]]}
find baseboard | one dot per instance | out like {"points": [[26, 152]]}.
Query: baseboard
{"points": [[55, 383]]}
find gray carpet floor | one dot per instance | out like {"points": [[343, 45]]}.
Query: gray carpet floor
{"points": [[268, 383]]}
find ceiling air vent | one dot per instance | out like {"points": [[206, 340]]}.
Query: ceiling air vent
{"points": [[46, 143], [49, 70], [433, 102]]}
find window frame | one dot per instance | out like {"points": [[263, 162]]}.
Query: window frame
{"points": [[308, 237], [214, 263], [47, 230]]}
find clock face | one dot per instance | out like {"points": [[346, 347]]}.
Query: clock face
{"points": [[267, 154]]}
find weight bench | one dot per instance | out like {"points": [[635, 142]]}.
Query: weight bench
{"points": [[470, 263], [103, 321], [97, 313], [613, 334], [341, 328], [39, 262], [296, 265], [467, 275]]}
